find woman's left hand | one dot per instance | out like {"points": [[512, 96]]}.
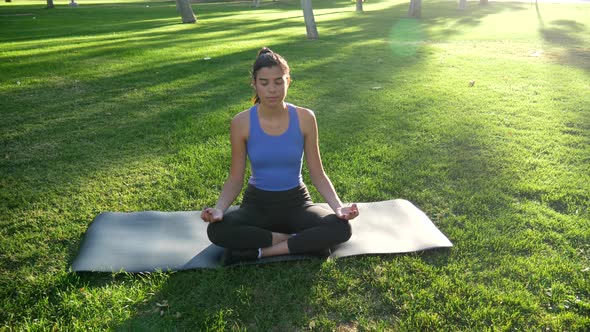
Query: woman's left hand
{"points": [[347, 212]]}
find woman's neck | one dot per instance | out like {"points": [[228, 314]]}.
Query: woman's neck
{"points": [[272, 111]]}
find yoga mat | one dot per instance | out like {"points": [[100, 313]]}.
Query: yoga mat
{"points": [[152, 240]]}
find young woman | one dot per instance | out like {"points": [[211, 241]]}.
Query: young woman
{"points": [[277, 216]]}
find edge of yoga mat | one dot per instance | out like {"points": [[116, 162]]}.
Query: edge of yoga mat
{"points": [[381, 231], [149, 241]]}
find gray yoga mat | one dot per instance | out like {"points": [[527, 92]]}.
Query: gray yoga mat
{"points": [[151, 240]]}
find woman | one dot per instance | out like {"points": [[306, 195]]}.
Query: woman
{"points": [[277, 216]]}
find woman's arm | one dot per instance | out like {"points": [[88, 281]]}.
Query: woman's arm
{"points": [[319, 178], [233, 185]]}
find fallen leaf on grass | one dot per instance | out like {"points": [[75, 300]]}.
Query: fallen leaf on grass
{"points": [[164, 304]]}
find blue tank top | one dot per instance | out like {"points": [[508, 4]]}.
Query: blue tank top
{"points": [[275, 160]]}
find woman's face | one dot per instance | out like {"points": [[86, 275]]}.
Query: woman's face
{"points": [[271, 85]]}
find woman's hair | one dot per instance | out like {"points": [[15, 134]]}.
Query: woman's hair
{"points": [[266, 58]]}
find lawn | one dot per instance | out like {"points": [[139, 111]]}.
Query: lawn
{"points": [[481, 118]]}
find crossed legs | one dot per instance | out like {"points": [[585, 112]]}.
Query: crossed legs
{"points": [[280, 231]]}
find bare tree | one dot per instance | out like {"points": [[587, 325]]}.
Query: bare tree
{"points": [[359, 5], [415, 8], [310, 26], [185, 10], [462, 4]]}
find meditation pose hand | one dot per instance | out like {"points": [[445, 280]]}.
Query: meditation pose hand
{"points": [[348, 212], [211, 214]]}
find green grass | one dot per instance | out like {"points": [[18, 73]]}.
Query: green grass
{"points": [[112, 106]]}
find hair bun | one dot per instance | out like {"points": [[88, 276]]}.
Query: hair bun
{"points": [[264, 50]]}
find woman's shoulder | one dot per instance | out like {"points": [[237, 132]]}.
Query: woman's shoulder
{"points": [[243, 115], [307, 121], [304, 113], [241, 122]]}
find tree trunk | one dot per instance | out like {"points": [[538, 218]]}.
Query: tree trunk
{"points": [[462, 4], [359, 5], [415, 8], [256, 3], [483, 2], [50, 4], [7, 0], [186, 11], [310, 26]]}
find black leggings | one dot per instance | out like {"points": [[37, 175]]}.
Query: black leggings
{"points": [[290, 212]]}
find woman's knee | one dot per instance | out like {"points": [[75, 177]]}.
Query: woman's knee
{"points": [[215, 233], [219, 232], [340, 228], [344, 230]]}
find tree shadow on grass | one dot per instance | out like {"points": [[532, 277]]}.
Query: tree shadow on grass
{"points": [[254, 297], [445, 14], [65, 22], [568, 34], [133, 17], [284, 296]]}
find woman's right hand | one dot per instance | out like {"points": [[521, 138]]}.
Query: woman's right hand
{"points": [[211, 215]]}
